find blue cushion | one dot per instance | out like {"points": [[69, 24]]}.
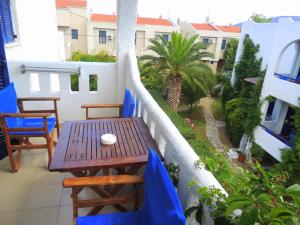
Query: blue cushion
{"points": [[128, 105], [128, 218], [8, 99], [161, 202], [30, 123]]}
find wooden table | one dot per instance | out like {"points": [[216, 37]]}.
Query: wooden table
{"points": [[79, 146], [80, 152]]}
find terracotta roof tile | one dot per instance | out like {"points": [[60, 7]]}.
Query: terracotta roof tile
{"points": [[207, 26], [232, 29], [67, 3], [203, 26], [140, 20]]}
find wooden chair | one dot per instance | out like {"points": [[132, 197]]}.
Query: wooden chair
{"points": [[77, 184], [161, 203], [125, 110], [17, 123]]}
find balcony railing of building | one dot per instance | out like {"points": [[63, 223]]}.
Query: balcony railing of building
{"points": [[285, 77], [277, 136], [57, 83]]}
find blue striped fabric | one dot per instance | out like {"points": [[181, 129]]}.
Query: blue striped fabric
{"points": [[6, 21]]}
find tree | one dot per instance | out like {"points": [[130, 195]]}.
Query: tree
{"points": [[191, 95], [229, 54], [179, 59], [260, 18], [249, 65]]}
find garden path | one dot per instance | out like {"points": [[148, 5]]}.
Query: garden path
{"points": [[212, 131]]}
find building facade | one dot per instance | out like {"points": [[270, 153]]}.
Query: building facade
{"points": [[30, 35], [280, 52], [91, 33], [214, 36], [102, 29]]}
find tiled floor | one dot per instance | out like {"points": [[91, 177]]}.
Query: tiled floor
{"points": [[33, 195]]}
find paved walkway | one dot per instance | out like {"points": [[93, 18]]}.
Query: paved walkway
{"points": [[212, 131]]}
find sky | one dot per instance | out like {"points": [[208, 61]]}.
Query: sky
{"points": [[221, 12]]}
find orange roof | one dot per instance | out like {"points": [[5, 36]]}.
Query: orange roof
{"points": [[66, 3], [232, 29], [203, 26], [207, 26], [140, 20]]}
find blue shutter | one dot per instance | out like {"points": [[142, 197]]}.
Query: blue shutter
{"points": [[4, 81], [6, 21]]}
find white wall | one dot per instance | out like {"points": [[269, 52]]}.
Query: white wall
{"points": [[36, 29], [69, 106]]}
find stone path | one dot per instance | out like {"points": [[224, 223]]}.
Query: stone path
{"points": [[212, 131]]}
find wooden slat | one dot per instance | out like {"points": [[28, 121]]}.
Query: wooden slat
{"points": [[39, 99], [102, 180], [101, 106], [104, 201]]}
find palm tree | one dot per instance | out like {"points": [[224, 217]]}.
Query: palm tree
{"points": [[178, 60]]}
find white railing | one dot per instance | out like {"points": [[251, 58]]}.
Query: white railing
{"points": [[47, 79], [268, 142], [171, 143]]}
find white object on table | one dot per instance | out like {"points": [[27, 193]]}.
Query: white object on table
{"points": [[108, 139]]}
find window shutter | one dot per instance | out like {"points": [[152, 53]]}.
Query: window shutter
{"points": [[4, 81], [6, 21]]}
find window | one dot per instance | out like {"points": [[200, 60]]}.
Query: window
{"points": [[74, 33], [102, 37], [205, 42], [93, 82], [6, 21], [166, 37], [223, 46]]}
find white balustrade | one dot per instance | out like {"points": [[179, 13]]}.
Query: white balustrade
{"points": [[43, 82], [171, 143]]}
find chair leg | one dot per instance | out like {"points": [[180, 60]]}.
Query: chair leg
{"points": [[12, 159], [49, 140], [74, 196]]}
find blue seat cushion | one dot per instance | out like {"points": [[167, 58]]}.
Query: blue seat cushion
{"points": [[30, 123], [126, 218], [128, 105]]}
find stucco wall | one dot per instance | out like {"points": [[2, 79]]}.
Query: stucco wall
{"points": [[36, 28], [143, 34], [216, 36]]}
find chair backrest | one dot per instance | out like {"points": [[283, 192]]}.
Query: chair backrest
{"points": [[8, 100], [161, 203], [128, 105]]}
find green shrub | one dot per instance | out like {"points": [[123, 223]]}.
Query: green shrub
{"points": [[257, 152], [101, 56]]}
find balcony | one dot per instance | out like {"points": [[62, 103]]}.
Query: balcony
{"points": [[270, 141], [34, 190], [283, 88]]}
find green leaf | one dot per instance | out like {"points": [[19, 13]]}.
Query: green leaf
{"points": [[264, 198], [199, 213], [280, 211], [249, 216], [190, 210], [236, 205], [293, 190]]}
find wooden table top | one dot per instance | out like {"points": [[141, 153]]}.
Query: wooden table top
{"points": [[79, 146]]}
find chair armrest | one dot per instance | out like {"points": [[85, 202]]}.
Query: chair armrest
{"points": [[39, 99], [102, 180], [101, 106], [24, 115]]}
